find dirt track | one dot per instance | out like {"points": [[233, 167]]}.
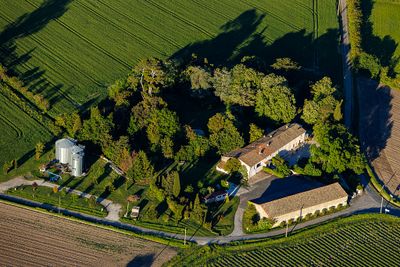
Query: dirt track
{"points": [[30, 238]]}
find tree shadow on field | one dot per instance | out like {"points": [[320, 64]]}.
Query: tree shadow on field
{"points": [[141, 261], [242, 37], [24, 26], [383, 48]]}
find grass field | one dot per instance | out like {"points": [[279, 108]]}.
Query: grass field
{"points": [[71, 50], [19, 133], [362, 240], [385, 19], [31, 238]]}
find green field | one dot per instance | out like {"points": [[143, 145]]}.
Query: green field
{"points": [[19, 133], [361, 240], [71, 50], [384, 37]]}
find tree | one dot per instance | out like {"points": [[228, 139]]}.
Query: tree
{"points": [[163, 124], [70, 122], [198, 210], [177, 186], [117, 150], [275, 100], [200, 79], [285, 64], [119, 91], [237, 86], [337, 114], [39, 150], [224, 137], [338, 150], [255, 132], [150, 74], [7, 166], [323, 103], [167, 147], [232, 165], [142, 169], [97, 128]]}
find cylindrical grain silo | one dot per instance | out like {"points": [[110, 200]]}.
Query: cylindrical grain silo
{"points": [[63, 150], [77, 153]]}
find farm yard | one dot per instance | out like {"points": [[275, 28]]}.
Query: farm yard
{"points": [[35, 239], [362, 240], [70, 51]]}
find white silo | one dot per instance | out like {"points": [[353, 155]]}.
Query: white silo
{"points": [[63, 150], [77, 153]]}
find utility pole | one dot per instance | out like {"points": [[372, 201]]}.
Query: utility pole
{"points": [[287, 227], [381, 205], [184, 240]]}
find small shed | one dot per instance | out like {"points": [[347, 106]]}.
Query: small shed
{"points": [[135, 212], [216, 196]]}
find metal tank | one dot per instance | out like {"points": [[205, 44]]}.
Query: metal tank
{"points": [[63, 150], [77, 153]]}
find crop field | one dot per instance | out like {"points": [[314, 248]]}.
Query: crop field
{"points": [[385, 19], [30, 238], [72, 50], [19, 133], [362, 240]]}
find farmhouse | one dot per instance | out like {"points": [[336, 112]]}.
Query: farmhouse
{"points": [[300, 204], [258, 154]]}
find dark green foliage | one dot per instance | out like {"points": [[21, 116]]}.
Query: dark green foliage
{"points": [[233, 165], [117, 150], [223, 134], [237, 86], [176, 190], [323, 103], [338, 150], [281, 168], [120, 92], [142, 169], [285, 64], [200, 80], [97, 128], [275, 100], [310, 169], [369, 63], [197, 146], [255, 132]]}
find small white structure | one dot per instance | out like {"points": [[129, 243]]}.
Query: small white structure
{"points": [[69, 152], [256, 155], [135, 212]]}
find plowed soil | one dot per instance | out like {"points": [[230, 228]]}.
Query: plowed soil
{"points": [[30, 238]]}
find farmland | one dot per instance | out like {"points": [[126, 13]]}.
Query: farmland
{"points": [[30, 238], [385, 36], [363, 240], [19, 132], [70, 51]]}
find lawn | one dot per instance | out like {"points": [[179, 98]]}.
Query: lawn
{"points": [[67, 201], [360, 240], [19, 133], [72, 50], [385, 36]]}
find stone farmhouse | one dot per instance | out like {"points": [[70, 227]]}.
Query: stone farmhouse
{"points": [[300, 204], [258, 154]]}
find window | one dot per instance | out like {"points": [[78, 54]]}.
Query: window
{"points": [[258, 165]]}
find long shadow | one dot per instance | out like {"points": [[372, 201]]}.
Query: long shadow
{"points": [[383, 48], [26, 25], [242, 37], [142, 261]]}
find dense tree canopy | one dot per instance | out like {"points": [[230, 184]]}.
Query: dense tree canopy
{"points": [[120, 92], [142, 169], [337, 149], [223, 134], [200, 80], [323, 104], [97, 128], [237, 86], [275, 100], [255, 132]]}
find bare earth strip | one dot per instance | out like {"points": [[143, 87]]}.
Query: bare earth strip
{"points": [[380, 130], [30, 238]]}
